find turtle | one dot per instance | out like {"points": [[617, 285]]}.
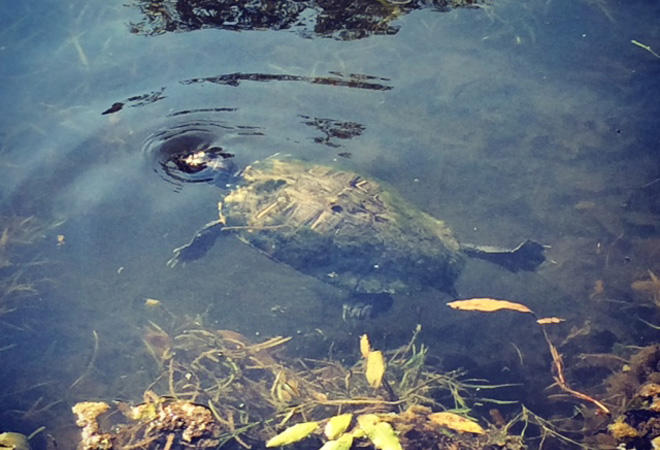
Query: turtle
{"points": [[347, 230]]}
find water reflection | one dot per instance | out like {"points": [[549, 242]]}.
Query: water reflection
{"points": [[358, 81], [340, 19], [332, 130]]}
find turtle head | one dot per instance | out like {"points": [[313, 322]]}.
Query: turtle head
{"points": [[207, 164]]}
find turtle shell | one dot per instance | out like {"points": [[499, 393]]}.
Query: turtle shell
{"points": [[340, 227]]}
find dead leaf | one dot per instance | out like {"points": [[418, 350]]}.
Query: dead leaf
{"points": [[383, 437], [375, 369], [487, 305], [455, 422], [547, 320], [344, 442], [365, 348], [152, 302], [292, 434], [337, 425]]}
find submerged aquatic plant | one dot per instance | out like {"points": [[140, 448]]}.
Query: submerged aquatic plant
{"points": [[18, 238], [491, 305], [245, 394], [649, 287]]}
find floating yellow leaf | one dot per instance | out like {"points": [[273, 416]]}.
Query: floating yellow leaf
{"points": [[337, 425], [547, 320], [383, 437], [152, 302], [343, 443], [293, 434], [455, 422], [375, 369], [487, 305], [365, 348]]}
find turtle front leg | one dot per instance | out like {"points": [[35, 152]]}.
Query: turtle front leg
{"points": [[366, 306], [201, 242]]}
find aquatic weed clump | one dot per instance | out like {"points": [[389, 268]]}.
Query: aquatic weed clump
{"points": [[635, 392], [17, 233], [20, 259], [216, 389]]}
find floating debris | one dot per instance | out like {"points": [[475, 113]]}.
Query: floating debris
{"points": [[152, 302], [487, 305], [549, 320]]}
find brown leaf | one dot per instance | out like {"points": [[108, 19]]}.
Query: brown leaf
{"points": [[455, 422], [487, 305]]}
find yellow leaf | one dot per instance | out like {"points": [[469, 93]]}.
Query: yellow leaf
{"points": [[367, 422], [358, 433], [487, 305], [343, 443], [337, 425], [13, 441], [455, 422], [144, 412], [383, 437], [547, 320], [375, 369], [152, 302], [293, 434], [365, 348]]}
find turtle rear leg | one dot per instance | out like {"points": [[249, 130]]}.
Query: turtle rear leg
{"points": [[528, 255], [201, 242]]}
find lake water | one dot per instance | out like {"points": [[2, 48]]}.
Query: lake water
{"points": [[508, 120]]}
